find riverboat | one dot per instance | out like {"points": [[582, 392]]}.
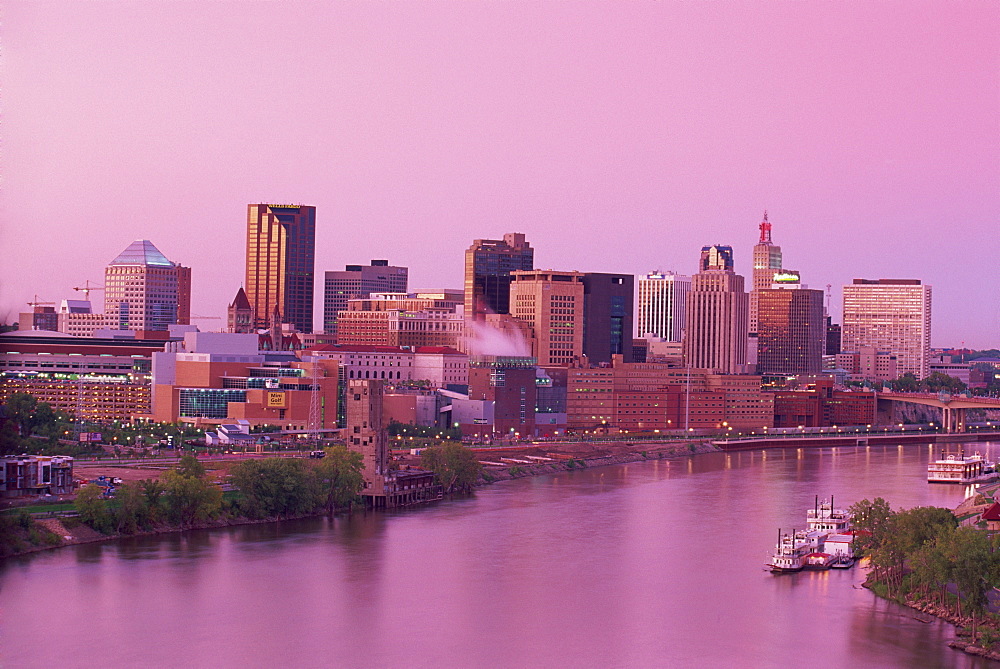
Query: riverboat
{"points": [[828, 542], [962, 469]]}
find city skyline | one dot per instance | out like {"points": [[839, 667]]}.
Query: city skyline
{"points": [[869, 133]]}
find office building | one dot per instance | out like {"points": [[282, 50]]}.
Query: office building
{"points": [[766, 263], [607, 316], [488, 264], [281, 249], [717, 309], [791, 332], [145, 291], [662, 299], [359, 281], [892, 315], [551, 304]]}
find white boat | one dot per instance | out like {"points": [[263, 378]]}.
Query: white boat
{"points": [[961, 468], [828, 542]]}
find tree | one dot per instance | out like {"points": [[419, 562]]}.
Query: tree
{"points": [[339, 477], [275, 487], [190, 499], [455, 466], [131, 512], [938, 382], [975, 569], [152, 491], [21, 408], [871, 520], [907, 383], [92, 509], [189, 465]]}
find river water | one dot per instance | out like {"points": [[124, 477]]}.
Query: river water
{"points": [[640, 565]]}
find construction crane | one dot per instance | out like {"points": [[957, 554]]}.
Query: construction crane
{"points": [[39, 303], [86, 288]]}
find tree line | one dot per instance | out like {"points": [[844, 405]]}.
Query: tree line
{"points": [[921, 555], [266, 488]]}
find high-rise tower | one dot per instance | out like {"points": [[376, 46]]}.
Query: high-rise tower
{"points": [[281, 249], [766, 261], [551, 303], [145, 291], [715, 335], [359, 281], [488, 264], [892, 315], [662, 298]]}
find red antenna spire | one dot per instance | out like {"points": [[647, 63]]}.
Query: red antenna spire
{"points": [[765, 230]]}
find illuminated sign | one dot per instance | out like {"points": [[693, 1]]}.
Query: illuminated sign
{"points": [[276, 400], [786, 277]]}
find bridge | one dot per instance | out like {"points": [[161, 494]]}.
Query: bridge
{"points": [[953, 407]]}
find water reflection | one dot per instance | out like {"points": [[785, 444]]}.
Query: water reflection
{"points": [[650, 564]]}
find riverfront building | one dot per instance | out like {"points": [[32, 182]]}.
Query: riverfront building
{"points": [[649, 397], [820, 405], [359, 281], [488, 264], [211, 378], [716, 335], [32, 475], [662, 298], [552, 304], [281, 249], [892, 315]]}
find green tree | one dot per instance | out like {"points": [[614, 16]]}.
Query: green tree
{"points": [[152, 491], [938, 382], [274, 487], [92, 509], [190, 466], [455, 466], [131, 510], [21, 409], [190, 499], [339, 476], [975, 569], [870, 518], [907, 383]]}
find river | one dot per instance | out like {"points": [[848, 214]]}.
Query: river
{"points": [[639, 565]]}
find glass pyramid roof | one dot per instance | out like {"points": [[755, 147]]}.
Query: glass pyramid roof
{"points": [[142, 252]]}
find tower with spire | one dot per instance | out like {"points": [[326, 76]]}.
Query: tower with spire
{"points": [[766, 262]]}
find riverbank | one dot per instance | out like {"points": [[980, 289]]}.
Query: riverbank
{"points": [[961, 623], [560, 457]]}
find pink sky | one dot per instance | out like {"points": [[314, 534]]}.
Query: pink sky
{"points": [[617, 136]]}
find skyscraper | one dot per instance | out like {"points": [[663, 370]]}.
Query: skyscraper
{"points": [[356, 282], [488, 264], [281, 249], [145, 291], [607, 316], [715, 335], [791, 335], [662, 299], [552, 304], [766, 262], [892, 315]]}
